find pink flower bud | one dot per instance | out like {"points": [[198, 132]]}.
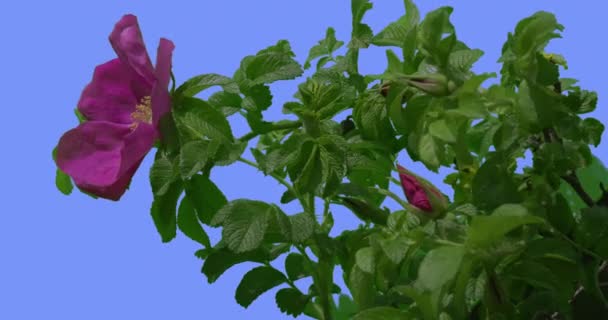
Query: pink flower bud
{"points": [[422, 194]]}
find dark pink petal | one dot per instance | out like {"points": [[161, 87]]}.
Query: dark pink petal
{"points": [[128, 43], [109, 96], [414, 192], [161, 102], [114, 191], [102, 156]]}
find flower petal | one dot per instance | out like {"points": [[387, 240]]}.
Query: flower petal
{"points": [[128, 43], [109, 96], [161, 102], [102, 156]]}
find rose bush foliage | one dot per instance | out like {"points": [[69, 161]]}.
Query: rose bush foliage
{"points": [[509, 244]]}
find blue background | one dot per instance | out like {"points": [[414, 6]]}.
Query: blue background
{"points": [[78, 258]]}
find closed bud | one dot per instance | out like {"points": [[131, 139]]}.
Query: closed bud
{"points": [[365, 211], [433, 84], [422, 194]]}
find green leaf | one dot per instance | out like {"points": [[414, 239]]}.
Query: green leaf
{"points": [[394, 101], [552, 248], [278, 158], [321, 97], [361, 286], [279, 227], [372, 119], [591, 176], [460, 63], [533, 33], [361, 34], [535, 274], [581, 101], [415, 111], [426, 302], [257, 99], [486, 230], [164, 213], [429, 155], [287, 197], [594, 130], [206, 198], [302, 227], [346, 308], [463, 60], [195, 155], [395, 249], [169, 136], [431, 36], [381, 313], [575, 203], [548, 73], [221, 260], [519, 53], [325, 47], [592, 232], [559, 214], [228, 103], [162, 174], [63, 182], [365, 259], [307, 171], [439, 267], [245, 223], [189, 225], [295, 266], [441, 130], [257, 281], [493, 185], [268, 65], [201, 82], [291, 301], [196, 119], [395, 34], [230, 153]]}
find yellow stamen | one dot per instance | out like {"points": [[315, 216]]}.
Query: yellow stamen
{"points": [[142, 113]]}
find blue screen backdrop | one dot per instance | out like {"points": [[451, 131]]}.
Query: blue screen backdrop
{"points": [[79, 258]]}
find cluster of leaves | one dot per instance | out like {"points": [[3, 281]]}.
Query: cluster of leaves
{"points": [[528, 245]]}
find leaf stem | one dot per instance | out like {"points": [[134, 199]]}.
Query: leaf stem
{"points": [[325, 210], [272, 127], [393, 196], [550, 136], [395, 181], [281, 181], [447, 243], [287, 280], [275, 176]]}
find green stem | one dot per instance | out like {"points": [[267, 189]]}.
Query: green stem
{"points": [[393, 196], [323, 284], [576, 245], [289, 281], [448, 243], [272, 127], [281, 181], [311, 205], [395, 181], [275, 176]]}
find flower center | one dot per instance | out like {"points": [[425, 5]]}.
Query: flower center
{"points": [[142, 113]]}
